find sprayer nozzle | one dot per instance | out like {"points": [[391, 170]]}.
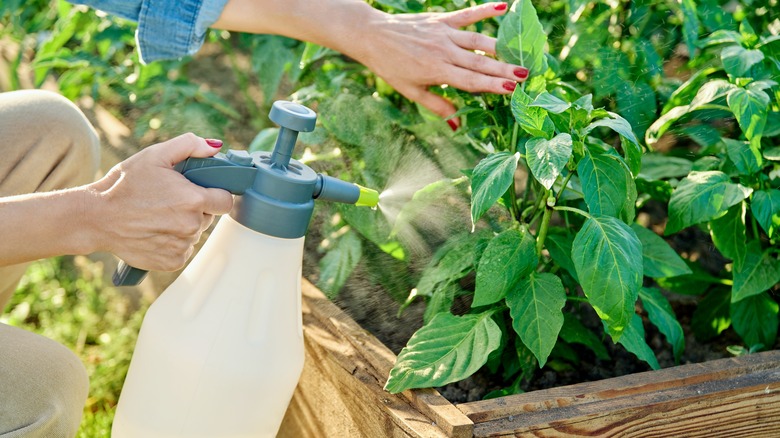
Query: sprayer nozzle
{"points": [[368, 197]]}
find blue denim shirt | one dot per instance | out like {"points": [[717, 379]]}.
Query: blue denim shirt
{"points": [[166, 29]]}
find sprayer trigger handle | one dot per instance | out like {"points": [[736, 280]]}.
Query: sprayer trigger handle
{"points": [[127, 275]]}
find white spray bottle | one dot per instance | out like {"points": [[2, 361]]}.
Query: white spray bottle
{"points": [[221, 350]]}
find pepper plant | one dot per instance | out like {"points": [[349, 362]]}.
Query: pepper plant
{"points": [[573, 229]]}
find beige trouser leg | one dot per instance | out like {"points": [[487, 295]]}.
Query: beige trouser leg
{"points": [[46, 144]]}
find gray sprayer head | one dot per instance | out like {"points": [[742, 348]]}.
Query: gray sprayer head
{"points": [[276, 191]]}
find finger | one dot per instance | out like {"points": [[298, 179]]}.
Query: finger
{"points": [[488, 66], [474, 41], [473, 82], [465, 17], [184, 146], [206, 222], [435, 103], [217, 201]]}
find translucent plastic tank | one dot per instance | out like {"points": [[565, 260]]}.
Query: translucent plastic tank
{"points": [[221, 350]]}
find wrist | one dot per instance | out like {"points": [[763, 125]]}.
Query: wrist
{"points": [[87, 233]]}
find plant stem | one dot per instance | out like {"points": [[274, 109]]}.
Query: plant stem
{"points": [[563, 187], [573, 210], [545, 225]]}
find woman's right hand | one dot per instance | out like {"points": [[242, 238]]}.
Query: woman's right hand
{"points": [[148, 214]]}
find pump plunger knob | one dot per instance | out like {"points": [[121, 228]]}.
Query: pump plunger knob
{"points": [[293, 116]]}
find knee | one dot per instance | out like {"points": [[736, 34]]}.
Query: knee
{"points": [[48, 386]]}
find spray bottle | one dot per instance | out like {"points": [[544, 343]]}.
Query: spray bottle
{"points": [[221, 350]]}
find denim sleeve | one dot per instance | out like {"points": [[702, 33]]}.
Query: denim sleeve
{"points": [[166, 29]]}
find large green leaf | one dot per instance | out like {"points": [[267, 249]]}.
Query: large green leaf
{"points": [[574, 332], [509, 257], [551, 103], [631, 148], [759, 272], [750, 107], [747, 159], [521, 38], [728, 234], [547, 158], [659, 260], [533, 120], [535, 305], [451, 262], [755, 320], [702, 196], [608, 257], [491, 178], [636, 102], [661, 166], [633, 340], [712, 316], [707, 93], [607, 185], [338, 263], [448, 349], [765, 207], [690, 25], [660, 313], [559, 245], [738, 60]]}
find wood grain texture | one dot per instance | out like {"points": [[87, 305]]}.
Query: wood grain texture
{"points": [[728, 397], [340, 393]]}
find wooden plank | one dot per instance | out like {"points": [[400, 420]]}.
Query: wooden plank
{"points": [[381, 360], [728, 397], [340, 393]]}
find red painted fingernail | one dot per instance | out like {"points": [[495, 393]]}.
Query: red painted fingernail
{"points": [[453, 124], [510, 85], [500, 7], [213, 142], [521, 72]]}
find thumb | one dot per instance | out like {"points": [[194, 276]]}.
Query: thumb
{"points": [[185, 146]]}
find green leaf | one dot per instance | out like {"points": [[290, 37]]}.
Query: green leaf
{"points": [[338, 263], [448, 349], [559, 246], [631, 148], [608, 257], [765, 207], [708, 92], [633, 340], [758, 273], [690, 25], [738, 60], [533, 120], [509, 257], [755, 320], [660, 166], [574, 332], [659, 260], [636, 102], [551, 103], [750, 107], [712, 316], [547, 158], [660, 313], [721, 36], [747, 159], [451, 262], [440, 301], [535, 305], [420, 203], [607, 185], [270, 59], [521, 38], [702, 196], [728, 234], [492, 177]]}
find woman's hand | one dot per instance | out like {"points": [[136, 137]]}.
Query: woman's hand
{"points": [[148, 214], [415, 51], [411, 52]]}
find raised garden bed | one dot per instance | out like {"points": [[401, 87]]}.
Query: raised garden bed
{"points": [[341, 394]]}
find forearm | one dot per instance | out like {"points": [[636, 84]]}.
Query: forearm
{"points": [[44, 225], [342, 25]]}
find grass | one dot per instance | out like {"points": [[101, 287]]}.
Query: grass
{"points": [[68, 300]]}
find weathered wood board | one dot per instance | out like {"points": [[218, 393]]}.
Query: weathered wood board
{"points": [[340, 395]]}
